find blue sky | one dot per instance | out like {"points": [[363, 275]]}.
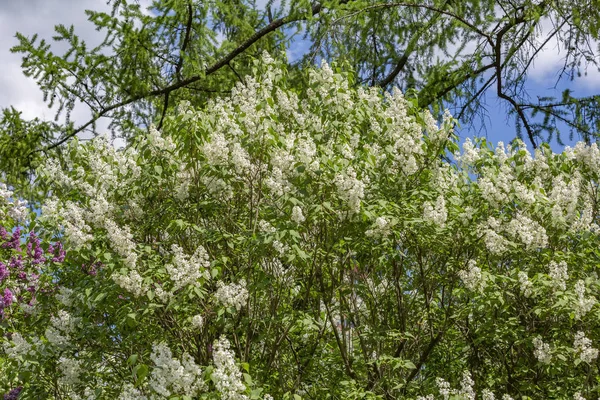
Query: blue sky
{"points": [[40, 16], [501, 127]]}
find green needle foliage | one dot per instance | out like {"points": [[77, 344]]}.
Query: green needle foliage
{"points": [[446, 53]]}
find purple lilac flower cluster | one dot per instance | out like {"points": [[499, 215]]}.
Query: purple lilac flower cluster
{"points": [[57, 251], [23, 267], [34, 249], [14, 240], [92, 269], [13, 394]]}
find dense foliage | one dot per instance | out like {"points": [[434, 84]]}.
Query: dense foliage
{"points": [[325, 243]]}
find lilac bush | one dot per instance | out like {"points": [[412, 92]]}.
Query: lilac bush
{"points": [[329, 242]]}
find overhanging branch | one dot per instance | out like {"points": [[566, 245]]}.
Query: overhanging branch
{"points": [[273, 26]]}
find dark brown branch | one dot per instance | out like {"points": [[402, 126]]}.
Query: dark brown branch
{"points": [[164, 110], [235, 72], [410, 47], [407, 52], [186, 41], [425, 101], [520, 113], [498, 64], [537, 50], [206, 90], [185, 82], [548, 109], [471, 26], [475, 96], [422, 359]]}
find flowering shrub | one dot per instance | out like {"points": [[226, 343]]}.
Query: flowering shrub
{"points": [[315, 244], [26, 289]]}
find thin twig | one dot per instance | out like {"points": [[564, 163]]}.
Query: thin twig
{"points": [[473, 27]]}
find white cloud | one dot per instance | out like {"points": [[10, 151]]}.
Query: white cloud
{"points": [[40, 16], [549, 62]]}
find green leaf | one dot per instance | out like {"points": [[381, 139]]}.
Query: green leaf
{"points": [[140, 371], [132, 359], [100, 297]]}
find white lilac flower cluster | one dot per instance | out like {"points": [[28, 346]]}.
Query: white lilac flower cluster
{"points": [[583, 348], [61, 326], [521, 228], [447, 180], [88, 394], [466, 391], [472, 277], [470, 154], [71, 216], [525, 284], [226, 375], [297, 215], [108, 168], [132, 282], [163, 295], [130, 392], [121, 240], [466, 386], [436, 213], [275, 267], [541, 350], [216, 150], [528, 231], [99, 210], [277, 182], [160, 145], [64, 296], [381, 228], [583, 304], [565, 198], [70, 369], [443, 387], [496, 186], [184, 183], [197, 321], [266, 227], [171, 376], [494, 242], [350, 189], [17, 347], [559, 274], [14, 208], [403, 134], [185, 270], [240, 159], [280, 248], [487, 394], [233, 295], [103, 172], [54, 171]]}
